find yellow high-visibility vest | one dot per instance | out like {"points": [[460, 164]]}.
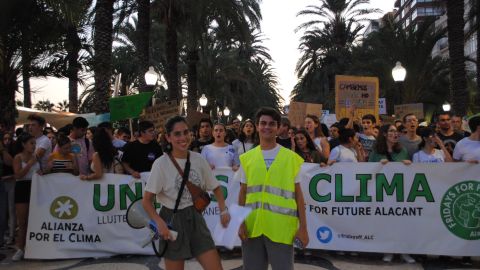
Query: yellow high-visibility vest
{"points": [[271, 194]]}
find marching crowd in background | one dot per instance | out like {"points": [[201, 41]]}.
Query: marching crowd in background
{"points": [[89, 152]]}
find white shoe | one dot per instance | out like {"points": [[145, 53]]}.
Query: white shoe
{"points": [[18, 255], [407, 258], [388, 257]]}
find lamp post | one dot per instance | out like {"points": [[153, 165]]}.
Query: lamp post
{"points": [[239, 117], [226, 112], [203, 102], [446, 107], [398, 74]]}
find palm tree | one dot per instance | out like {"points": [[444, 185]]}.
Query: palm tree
{"points": [[102, 43], [63, 106], [456, 41], [143, 41], [474, 30], [326, 45], [44, 105]]}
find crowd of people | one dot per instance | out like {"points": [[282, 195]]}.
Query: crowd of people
{"points": [[90, 152]]}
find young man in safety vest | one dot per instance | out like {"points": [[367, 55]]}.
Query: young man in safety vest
{"points": [[270, 186]]}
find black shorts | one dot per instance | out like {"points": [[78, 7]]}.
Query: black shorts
{"points": [[22, 191]]}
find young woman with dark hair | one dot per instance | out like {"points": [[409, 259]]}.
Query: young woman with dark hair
{"points": [[305, 147], [427, 153], [349, 149], [219, 153], [387, 147], [25, 164], [194, 238], [63, 160], [246, 139], [105, 158]]}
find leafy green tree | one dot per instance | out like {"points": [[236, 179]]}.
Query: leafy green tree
{"points": [[44, 105], [63, 106]]}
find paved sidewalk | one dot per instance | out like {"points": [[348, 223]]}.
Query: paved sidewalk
{"points": [[232, 261]]}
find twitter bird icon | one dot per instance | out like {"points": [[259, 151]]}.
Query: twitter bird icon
{"points": [[324, 234]]}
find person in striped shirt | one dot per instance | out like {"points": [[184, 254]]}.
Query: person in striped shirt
{"points": [[63, 160]]}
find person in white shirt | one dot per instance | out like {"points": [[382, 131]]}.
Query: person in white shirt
{"points": [[194, 238], [314, 129], [43, 148], [427, 152], [349, 150], [468, 149], [246, 139], [219, 153]]}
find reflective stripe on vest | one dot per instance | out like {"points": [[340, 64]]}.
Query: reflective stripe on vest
{"points": [[272, 190], [273, 208]]}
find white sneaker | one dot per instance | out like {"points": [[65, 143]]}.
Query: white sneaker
{"points": [[18, 255], [388, 257], [407, 258]]}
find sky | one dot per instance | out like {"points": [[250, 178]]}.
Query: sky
{"points": [[278, 25]]}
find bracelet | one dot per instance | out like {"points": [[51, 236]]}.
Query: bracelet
{"points": [[224, 212]]}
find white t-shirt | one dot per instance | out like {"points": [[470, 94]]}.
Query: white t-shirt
{"points": [[467, 149], [318, 143], [268, 157], [438, 156], [165, 181], [238, 145], [343, 154], [220, 156], [44, 142], [118, 143]]}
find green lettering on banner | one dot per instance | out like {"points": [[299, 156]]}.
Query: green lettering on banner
{"points": [[222, 178], [420, 180], [339, 197], [364, 197], [125, 192], [110, 198], [395, 186], [312, 187]]}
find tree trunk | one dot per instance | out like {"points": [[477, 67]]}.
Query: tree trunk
{"points": [[455, 23], [143, 42], [73, 48], [171, 48], [27, 96], [477, 19], [192, 80], [8, 88], [102, 43]]}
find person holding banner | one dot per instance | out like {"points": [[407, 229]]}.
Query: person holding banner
{"points": [[468, 149], [427, 152], [305, 147], [25, 164], [219, 153], [278, 215], [314, 129], [388, 148], [194, 238], [349, 150]]}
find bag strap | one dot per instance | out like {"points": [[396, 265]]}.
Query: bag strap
{"points": [[184, 175]]}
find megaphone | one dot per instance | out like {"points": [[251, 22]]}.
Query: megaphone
{"points": [[138, 218]]}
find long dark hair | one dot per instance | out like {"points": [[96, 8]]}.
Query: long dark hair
{"points": [[381, 144], [310, 144], [243, 137], [424, 132], [102, 143], [23, 138]]}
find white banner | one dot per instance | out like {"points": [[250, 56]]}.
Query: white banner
{"points": [[416, 209], [394, 208], [70, 218]]}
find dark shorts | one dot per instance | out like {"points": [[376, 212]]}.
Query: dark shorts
{"points": [[22, 191], [193, 238]]}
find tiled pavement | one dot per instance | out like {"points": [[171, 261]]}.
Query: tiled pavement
{"points": [[232, 261]]}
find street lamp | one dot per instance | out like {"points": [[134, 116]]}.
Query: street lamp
{"points": [[239, 117], [399, 72], [203, 101], [226, 111], [446, 107], [151, 76]]}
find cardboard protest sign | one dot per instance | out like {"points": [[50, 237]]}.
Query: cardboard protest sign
{"points": [[159, 113], [361, 92], [298, 110], [415, 108]]}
